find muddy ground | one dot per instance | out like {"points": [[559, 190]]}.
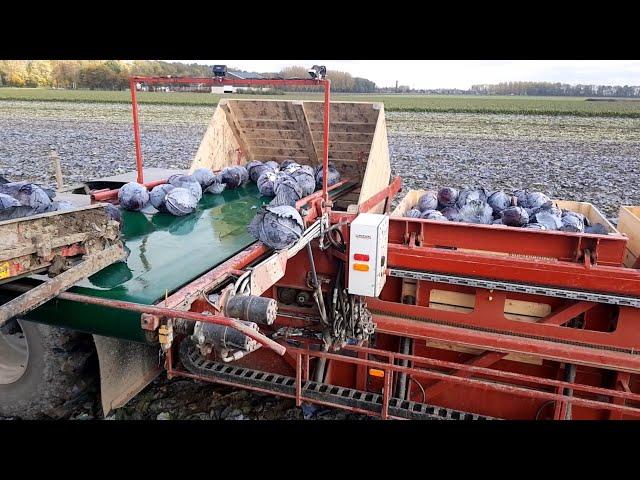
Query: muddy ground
{"points": [[586, 159]]}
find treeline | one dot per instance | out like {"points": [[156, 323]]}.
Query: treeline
{"points": [[114, 74], [556, 89], [89, 74], [340, 81]]}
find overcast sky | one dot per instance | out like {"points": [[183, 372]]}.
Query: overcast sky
{"points": [[462, 73]]}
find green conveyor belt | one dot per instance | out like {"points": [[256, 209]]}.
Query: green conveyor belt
{"points": [[165, 253]]}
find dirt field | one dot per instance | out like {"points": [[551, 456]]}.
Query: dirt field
{"points": [[513, 104], [590, 159]]}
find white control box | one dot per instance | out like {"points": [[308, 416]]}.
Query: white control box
{"points": [[368, 254]]}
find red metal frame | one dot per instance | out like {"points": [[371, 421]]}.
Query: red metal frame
{"points": [[549, 339]]}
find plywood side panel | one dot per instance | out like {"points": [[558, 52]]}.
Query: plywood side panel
{"points": [[342, 127], [259, 109], [514, 357], [349, 112], [466, 300], [285, 129], [302, 160], [355, 137], [304, 128], [378, 172], [219, 146], [629, 224]]}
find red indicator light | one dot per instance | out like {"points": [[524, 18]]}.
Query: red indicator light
{"points": [[361, 256]]}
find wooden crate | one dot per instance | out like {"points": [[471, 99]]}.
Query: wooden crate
{"points": [[536, 249], [288, 129], [587, 209], [629, 224]]}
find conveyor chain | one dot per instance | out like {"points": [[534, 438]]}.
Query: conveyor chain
{"points": [[518, 287], [195, 363]]}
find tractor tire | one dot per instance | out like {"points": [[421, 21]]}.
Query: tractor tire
{"points": [[45, 371]]}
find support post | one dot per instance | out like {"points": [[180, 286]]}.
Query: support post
{"points": [[325, 156], [136, 130], [56, 168]]}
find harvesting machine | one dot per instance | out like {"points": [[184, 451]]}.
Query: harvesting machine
{"points": [[368, 311]]}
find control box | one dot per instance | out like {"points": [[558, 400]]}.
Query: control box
{"points": [[368, 254]]}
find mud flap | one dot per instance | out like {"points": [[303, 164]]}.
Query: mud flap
{"points": [[125, 369]]}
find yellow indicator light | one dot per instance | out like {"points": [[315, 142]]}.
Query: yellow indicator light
{"points": [[361, 267], [374, 372]]}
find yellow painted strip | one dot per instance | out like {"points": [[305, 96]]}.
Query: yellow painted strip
{"points": [[5, 270]]}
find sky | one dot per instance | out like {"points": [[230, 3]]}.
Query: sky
{"points": [[426, 74]]}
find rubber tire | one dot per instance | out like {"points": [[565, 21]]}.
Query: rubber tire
{"points": [[61, 372]]}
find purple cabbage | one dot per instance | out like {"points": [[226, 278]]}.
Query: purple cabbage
{"points": [[515, 216], [267, 182], [433, 215], [498, 201], [133, 196], [447, 197], [428, 201], [204, 177], [158, 194], [180, 202], [477, 211], [452, 214], [413, 213], [467, 196]]}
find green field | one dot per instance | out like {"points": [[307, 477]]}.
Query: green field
{"points": [[410, 103]]}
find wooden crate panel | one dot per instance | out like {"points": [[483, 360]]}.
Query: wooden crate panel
{"points": [[629, 224], [514, 309], [342, 112], [297, 144], [279, 158], [378, 172], [343, 137], [345, 147], [514, 357], [261, 109], [344, 127], [285, 125], [272, 134], [219, 146]]}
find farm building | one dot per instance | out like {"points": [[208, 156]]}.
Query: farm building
{"points": [[239, 74]]}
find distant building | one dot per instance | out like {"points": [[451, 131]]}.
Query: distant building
{"points": [[242, 75]]}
